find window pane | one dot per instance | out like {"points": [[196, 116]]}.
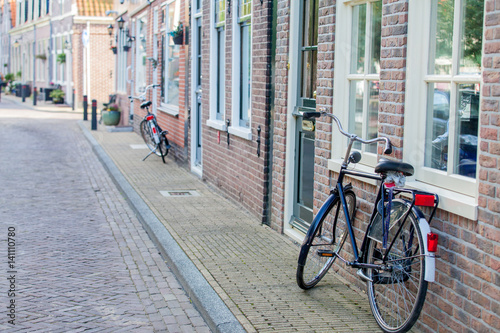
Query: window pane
{"points": [[220, 73], [471, 36], [245, 77], [376, 31], [442, 43], [245, 7], [310, 23], [220, 12], [467, 129], [372, 123], [309, 65], [358, 38], [438, 114], [356, 109]]}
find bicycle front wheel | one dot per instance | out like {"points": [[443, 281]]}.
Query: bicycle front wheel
{"points": [[327, 237], [147, 136], [397, 293], [163, 147]]}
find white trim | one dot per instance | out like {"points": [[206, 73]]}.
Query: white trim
{"points": [[242, 132], [217, 124], [213, 69], [169, 109], [291, 127]]}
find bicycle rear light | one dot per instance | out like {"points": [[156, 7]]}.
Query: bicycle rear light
{"points": [[424, 200], [151, 117], [432, 242]]}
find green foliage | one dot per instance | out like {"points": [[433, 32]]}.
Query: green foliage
{"points": [[9, 77], [61, 58], [113, 107], [57, 95]]}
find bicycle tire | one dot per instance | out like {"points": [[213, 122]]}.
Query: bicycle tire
{"points": [[163, 147], [311, 267], [397, 296], [147, 136]]}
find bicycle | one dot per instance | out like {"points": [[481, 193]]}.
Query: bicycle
{"points": [[397, 254], [154, 137]]}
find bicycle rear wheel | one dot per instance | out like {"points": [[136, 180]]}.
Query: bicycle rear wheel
{"points": [[397, 294], [328, 235], [147, 136]]}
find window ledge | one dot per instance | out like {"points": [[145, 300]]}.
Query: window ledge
{"points": [[169, 109], [242, 132], [217, 124], [453, 202]]}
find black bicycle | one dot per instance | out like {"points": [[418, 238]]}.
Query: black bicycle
{"points": [[154, 137], [397, 254]]}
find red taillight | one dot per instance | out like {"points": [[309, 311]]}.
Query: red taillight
{"points": [[424, 200], [432, 242], [148, 118], [154, 130]]}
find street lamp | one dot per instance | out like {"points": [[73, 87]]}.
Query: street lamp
{"points": [[120, 22], [110, 30]]}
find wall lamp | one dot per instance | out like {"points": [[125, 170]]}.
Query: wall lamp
{"points": [[120, 22], [110, 30]]}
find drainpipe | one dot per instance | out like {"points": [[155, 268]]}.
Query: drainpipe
{"points": [[269, 120]]}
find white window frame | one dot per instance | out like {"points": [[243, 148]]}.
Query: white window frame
{"points": [[121, 62], [235, 128], [458, 193], [140, 89], [213, 122], [343, 77], [171, 109]]}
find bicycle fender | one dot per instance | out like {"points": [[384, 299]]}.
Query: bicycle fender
{"points": [[430, 259]]}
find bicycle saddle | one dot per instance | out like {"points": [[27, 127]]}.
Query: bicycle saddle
{"points": [[146, 104], [384, 166]]}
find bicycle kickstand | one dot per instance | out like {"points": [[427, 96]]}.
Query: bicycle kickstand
{"points": [[151, 152]]}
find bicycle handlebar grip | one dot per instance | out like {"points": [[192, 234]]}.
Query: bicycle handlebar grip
{"points": [[388, 147], [311, 114]]}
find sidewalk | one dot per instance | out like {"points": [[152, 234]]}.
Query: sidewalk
{"points": [[249, 266], [41, 105]]}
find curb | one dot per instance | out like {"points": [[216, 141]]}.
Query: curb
{"points": [[218, 316], [41, 108]]}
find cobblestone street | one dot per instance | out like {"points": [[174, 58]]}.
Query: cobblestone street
{"points": [[79, 258]]}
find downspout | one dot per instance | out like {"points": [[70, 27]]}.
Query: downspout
{"points": [[269, 120]]}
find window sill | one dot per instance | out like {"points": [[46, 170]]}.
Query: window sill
{"points": [[242, 132], [453, 202], [217, 124], [169, 109]]}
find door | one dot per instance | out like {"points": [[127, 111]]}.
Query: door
{"points": [[196, 113], [305, 129]]}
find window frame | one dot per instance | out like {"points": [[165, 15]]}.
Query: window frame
{"points": [[138, 53], [419, 38], [217, 73], [344, 77], [165, 104], [235, 128]]}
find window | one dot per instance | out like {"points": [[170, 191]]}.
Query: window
{"points": [[217, 76], [170, 61], [358, 70], [121, 63], [242, 70], [141, 54], [446, 111], [309, 54]]}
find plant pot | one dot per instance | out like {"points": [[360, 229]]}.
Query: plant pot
{"points": [[114, 50], [178, 39], [110, 118], [58, 101]]}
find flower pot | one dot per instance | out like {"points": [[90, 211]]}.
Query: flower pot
{"points": [[178, 39], [114, 50], [111, 118]]}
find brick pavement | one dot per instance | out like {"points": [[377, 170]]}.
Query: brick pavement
{"points": [[250, 266], [83, 260]]}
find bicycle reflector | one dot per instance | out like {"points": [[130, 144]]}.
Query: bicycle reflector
{"points": [[432, 242], [151, 117], [424, 200]]}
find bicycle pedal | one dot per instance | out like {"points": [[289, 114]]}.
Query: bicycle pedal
{"points": [[325, 253]]}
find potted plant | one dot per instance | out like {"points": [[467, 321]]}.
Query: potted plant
{"points": [[113, 48], [57, 96], [177, 34], [111, 115], [41, 56], [61, 58]]}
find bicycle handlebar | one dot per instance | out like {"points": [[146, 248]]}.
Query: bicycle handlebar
{"points": [[142, 97], [352, 137]]}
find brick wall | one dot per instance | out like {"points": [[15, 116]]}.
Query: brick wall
{"points": [[466, 294], [235, 168], [280, 113]]}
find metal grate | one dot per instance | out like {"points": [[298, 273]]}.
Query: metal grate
{"points": [[180, 193]]}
